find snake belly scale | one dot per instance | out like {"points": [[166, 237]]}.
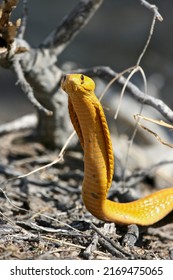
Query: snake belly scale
{"points": [[89, 121]]}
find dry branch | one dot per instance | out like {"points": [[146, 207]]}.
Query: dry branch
{"points": [[70, 26], [41, 73], [39, 70]]}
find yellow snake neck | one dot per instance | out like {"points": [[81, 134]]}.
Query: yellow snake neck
{"points": [[89, 121]]}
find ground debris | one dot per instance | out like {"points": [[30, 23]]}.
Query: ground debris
{"points": [[42, 216]]}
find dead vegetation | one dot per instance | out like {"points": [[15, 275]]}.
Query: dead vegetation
{"points": [[42, 215]]}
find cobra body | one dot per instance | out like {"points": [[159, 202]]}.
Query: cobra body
{"points": [[89, 121]]}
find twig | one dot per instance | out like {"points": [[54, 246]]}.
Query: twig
{"points": [[113, 251], [148, 40], [37, 214], [55, 220], [152, 8], [22, 29], [130, 142], [11, 203], [136, 69], [119, 250], [58, 231], [156, 136], [7, 218], [60, 157], [114, 80], [27, 89], [92, 247], [60, 242]]}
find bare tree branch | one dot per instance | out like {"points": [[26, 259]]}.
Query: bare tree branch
{"points": [[71, 25]]}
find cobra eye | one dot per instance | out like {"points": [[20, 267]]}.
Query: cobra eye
{"points": [[82, 79]]}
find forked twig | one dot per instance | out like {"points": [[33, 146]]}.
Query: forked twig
{"points": [[152, 8], [113, 80], [162, 123], [130, 142], [27, 89]]}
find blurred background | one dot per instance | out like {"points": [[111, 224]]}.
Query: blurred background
{"points": [[114, 37]]}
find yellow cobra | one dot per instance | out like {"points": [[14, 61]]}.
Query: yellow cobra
{"points": [[89, 121]]}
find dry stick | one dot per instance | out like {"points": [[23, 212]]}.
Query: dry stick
{"points": [[27, 89], [35, 214], [91, 247], [55, 220], [50, 230], [138, 68], [156, 136], [152, 8], [11, 203], [148, 40], [60, 157], [22, 29], [117, 76], [62, 242], [130, 142], [7, 218], [70, 26], [116, 247], [158, 122], [141, 70]]}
